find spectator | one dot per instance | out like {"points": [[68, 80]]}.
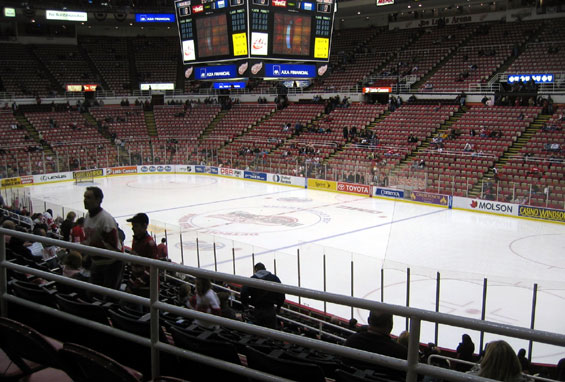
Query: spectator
{"points": [[142, 245], [465, 351], [376, 339], [266, 303], [15, 244], [524, 362], [500, 363], [77, 233], [67, 226], [72, 265], [162, 251], [205, 300], [101, 231]]}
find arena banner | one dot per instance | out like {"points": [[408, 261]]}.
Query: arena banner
{"points": [[10, 182], [353, 188], [320, 184], [549, 214], [232, 172], [56, 177], [428, 197], [211, 170], [184, 169], [485, 206], [287, 180], [199, 169], [388, 193], [88, 173], [154, 168], [121, 170], [255, 175], [27, 179]]}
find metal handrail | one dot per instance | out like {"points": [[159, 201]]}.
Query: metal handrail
{"points": [[416, 315]]}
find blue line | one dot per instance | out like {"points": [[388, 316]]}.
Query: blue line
{"points": [[203, 204], [336, 235]]}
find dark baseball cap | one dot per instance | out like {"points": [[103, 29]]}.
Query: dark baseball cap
{"points": [[139, 218]]}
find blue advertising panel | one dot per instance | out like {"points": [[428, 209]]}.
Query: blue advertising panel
{"points": [[543, 78], [214, 72], [229, 85], [290, 70], [255, 175], [199, 168], [389, 193], [154, 17]]}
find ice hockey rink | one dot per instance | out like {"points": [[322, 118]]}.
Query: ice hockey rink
{"points": [[355, 237]]}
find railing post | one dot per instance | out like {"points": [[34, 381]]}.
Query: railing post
{"points": [[533, 318], [197, 253], [182, 249], [407, 294], [233, 257], [325, 279], [483, 312], [413, 349], [382, 285], [154, 313], [3, 278], [215, 258], [298, 268], [438, 284], [352, 283]]}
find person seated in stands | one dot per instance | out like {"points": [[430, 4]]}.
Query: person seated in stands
{"points": [[483, 133], [500, 363], [484, 100], [205, 300], [524, 362], [412, 138], [521, 117], [533, 171], [428, 86], [376, 339], [72, 266], [489, 102], [15, 244], [468, 147], [555, 147], [422, 163]]}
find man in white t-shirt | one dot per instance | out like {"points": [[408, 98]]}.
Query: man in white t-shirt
{"points": [[101, 231]]}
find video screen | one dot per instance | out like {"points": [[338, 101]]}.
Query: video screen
{"points": [[212, 35], [291, 34]]}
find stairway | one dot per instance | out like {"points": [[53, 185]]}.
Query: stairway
{"points": [[93, 67], [35, 135], [150, 122], [439, 64], [133, 80], [513, 151], [43, 68], [423, 147], [212, 125]]}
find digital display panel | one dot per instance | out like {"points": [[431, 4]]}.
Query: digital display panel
{"points": [[291, 35], [66, 15], [280, 30], [154, 18], [9, 12], [212, 36]]}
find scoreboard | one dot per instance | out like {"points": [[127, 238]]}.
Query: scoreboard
{"points": [[230, 30]]}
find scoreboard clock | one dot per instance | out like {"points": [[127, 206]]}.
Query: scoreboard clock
{"points": [[228, 30]]}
